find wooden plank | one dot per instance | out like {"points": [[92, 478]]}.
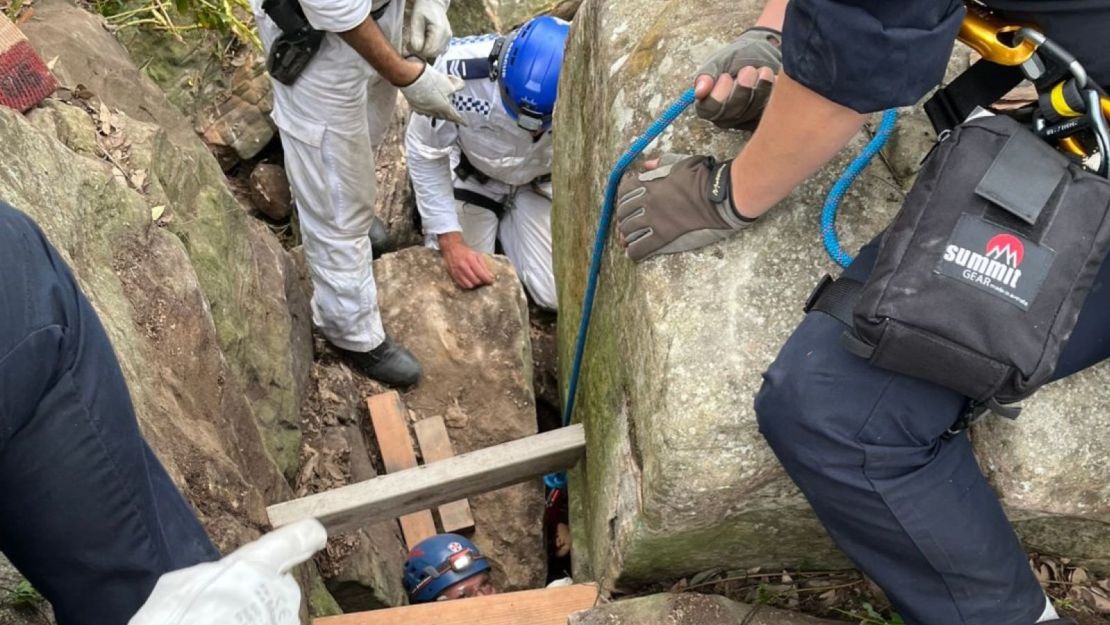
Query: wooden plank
{"points": [[547, 606], [482, 471], [387, 412], [435, 445]]}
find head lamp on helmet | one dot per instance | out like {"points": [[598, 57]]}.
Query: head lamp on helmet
{"points": [[440, 562], [526, 65]]}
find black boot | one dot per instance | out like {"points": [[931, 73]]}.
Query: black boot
{"points": [[380, 241], [388, 363]]}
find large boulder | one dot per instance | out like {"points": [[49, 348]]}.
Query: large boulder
{"points": [[477, 358], [689, 609], [243, 281], [677, 478], [201, 302]]}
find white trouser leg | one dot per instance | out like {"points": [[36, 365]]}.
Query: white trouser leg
{"points": [[526, 239], [335, 201]]}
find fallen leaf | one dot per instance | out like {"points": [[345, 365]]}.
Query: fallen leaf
{"points": [[157, 211], [50, 64], [138, 179]]}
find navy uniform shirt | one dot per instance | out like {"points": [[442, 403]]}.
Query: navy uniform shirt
{"points": [[871, 55]]}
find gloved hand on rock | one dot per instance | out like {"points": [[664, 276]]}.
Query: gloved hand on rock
{"points": [[429, 29], [734, 84], [682, 203], [252, 586], [430, 94]]}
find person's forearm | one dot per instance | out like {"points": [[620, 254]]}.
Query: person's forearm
{"points": [[773, 15], [800, 131], [371, 43]]}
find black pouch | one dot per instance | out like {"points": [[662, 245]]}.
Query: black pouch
{"points": [[981, 276]]}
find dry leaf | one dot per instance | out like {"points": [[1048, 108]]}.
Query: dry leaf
{"points": [[138, 179], [51, 63], [157, 211]]}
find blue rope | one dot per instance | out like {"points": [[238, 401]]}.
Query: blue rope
{"points": [[657, 128], [832, 202]]}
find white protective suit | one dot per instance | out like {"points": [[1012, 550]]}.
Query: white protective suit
{"points": [[329, 119], [509, 155]]}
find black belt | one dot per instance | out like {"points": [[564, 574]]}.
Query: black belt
{"points": [[481, 201], [380, 11], [466, 170]]}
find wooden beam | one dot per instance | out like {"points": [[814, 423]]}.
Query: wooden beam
{"points": [[547, 606], [435, 445], [389, 496], [388, 413]]}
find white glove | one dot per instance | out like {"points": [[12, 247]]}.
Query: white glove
{"points": [[430, 95], [252, 586], [429, 30]]}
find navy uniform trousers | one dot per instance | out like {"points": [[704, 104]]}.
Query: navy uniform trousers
{"points": [[87, 512], [909, 506]]}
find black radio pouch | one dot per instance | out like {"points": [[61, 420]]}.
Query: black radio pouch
{"points": [[980, 278], [298, 43]]}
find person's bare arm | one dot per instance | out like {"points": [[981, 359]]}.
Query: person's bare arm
{"points": [[371, 43], [799, 133]]}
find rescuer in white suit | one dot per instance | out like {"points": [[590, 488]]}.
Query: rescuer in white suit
{"points": [[336, 72], [501, 188]]}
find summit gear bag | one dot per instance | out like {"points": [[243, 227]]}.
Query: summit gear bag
{"points": [[981, 276]]}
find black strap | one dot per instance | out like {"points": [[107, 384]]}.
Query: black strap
{"points": [[837, 298], [983, 84], [466, 170], [469, 69], [481, 201]]}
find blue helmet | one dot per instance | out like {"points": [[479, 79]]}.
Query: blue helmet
{"points": [[527, 68], [438, 563]]}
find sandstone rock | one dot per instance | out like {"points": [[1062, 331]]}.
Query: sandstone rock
{"points": [[677, 478], [240, 120], [85, 53], [71, 125], [477, 361], [689, 609], [473, 17], [270, 192], [512, 13], [179, 174], [477, 17], [395, 203]]}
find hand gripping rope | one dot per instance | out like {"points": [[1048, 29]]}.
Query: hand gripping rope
{"points": [[828, 220]]}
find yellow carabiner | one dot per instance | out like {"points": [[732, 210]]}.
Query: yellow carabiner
{"points": [[994, 39]]}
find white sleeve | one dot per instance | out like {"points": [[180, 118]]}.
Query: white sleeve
{"points": [[428, 145], [336, 16]]}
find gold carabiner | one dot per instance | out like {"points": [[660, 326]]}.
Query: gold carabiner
{"points": [[993, 39]]}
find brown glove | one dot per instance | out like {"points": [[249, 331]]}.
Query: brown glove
{"points": [[756, 47], [684, 204]]}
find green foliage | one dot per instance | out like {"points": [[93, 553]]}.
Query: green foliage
{"points": [[24, 595], [871, 616], [225, 17]]}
